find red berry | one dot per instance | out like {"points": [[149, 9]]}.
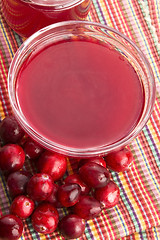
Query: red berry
{"points": [[45, 218], [11, 227], [17, 182], [75, 178], [98, 160], [10, 130], [39, 187], [87, 207], [109, 195], [23, 140], [94, 175], [68, 194], [22, 207], [52, 163], [12, 158], [72, 226], [53, 198], [32, 149], [119, 161]]}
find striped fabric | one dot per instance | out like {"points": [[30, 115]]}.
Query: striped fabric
{"points": [[137, 215]]}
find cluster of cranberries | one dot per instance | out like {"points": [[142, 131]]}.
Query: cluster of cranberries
{"points": [[39, 196]]}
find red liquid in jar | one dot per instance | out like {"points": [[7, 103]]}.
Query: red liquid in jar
{"points": [[80, 94], [26, 17]]}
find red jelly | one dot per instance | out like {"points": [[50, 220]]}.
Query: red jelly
{"points": [[71, 93], [79, 94], [27, 16]]}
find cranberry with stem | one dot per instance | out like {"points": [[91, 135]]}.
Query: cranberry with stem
{"points": [[72, 226], [45, 218], [53, 164], [10, 130], [87, 207], [17, 182], [39, 187], [22, 207], [109, 195], [11, 227], [12, 158], [94, 175], [75, 178], [69, 194], [119, 161]]}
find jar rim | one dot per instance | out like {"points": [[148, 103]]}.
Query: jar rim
{"points": [[75, 152], [53, 4]]}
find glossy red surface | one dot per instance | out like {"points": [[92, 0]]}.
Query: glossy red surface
{"points": [[80, 94]]}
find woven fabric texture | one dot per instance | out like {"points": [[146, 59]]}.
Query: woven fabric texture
{"points": [[137, 215]]}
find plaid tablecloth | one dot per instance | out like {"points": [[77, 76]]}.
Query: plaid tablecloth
{"points": [[137, 215]]}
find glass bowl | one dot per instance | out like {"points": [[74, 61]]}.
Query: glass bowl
{"points": [[96, 34]]}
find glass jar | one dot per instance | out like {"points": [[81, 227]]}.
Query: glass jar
{"points": [[27, 16]]}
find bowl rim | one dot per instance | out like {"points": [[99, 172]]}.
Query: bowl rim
{"points": [[79, 152]]}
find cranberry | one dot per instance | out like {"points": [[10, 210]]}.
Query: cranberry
{"points": [[87, 207], [119, 161], [23, 140], [75, 178], [32, 149], [10, 131], [53, 198], [45, 218], [94, 175], [72, 226], [98, 160], [52, 163], [68, 194], [22, 207], [12, 158], [17, 182], [39, 187], [109, 195], [11, 227]]}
